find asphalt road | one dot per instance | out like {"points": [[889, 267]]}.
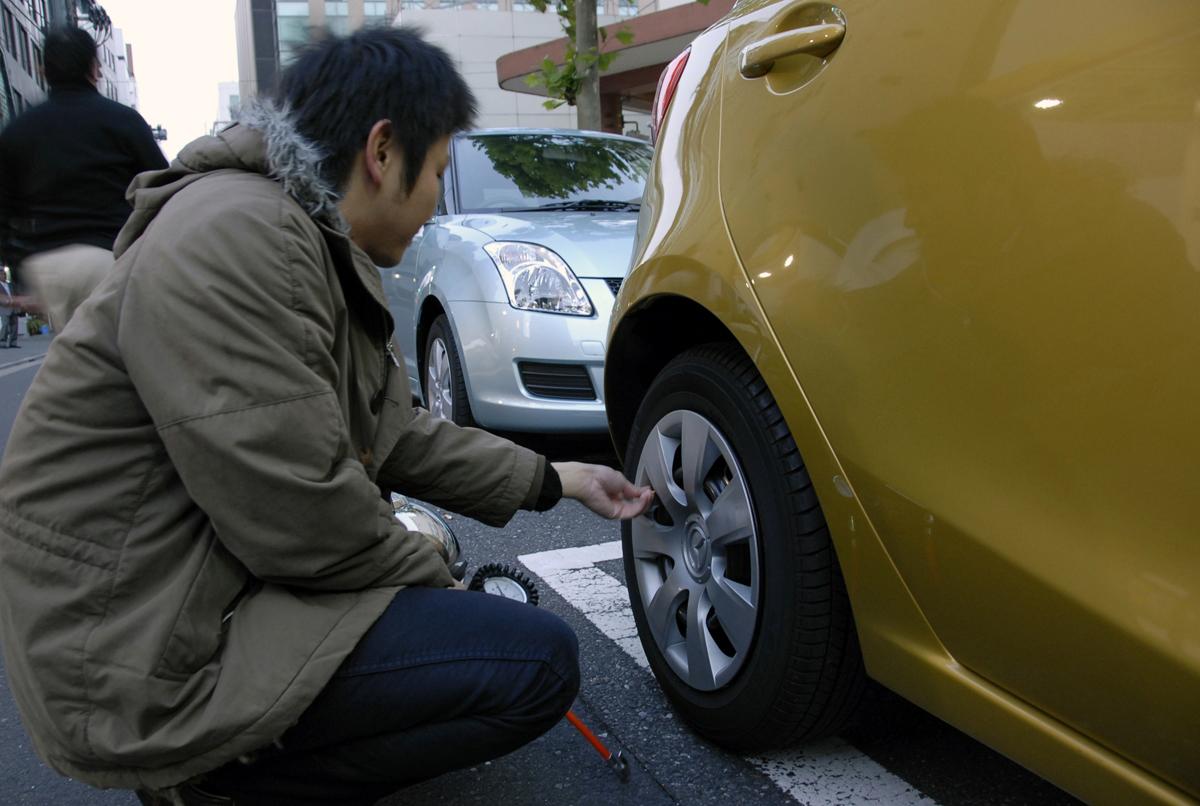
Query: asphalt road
{"points": [[902, 755]]}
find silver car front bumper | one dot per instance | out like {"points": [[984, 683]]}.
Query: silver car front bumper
{"points": [[496, 341]]}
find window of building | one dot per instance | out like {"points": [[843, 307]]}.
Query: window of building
{"points": [[10, 32], [39, 64], [18, 102], [337, 17], [26, 58], [37, 11], [375, 12], [291, 27]]}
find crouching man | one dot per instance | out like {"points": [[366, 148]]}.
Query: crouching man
{"points": [[203, 593]]}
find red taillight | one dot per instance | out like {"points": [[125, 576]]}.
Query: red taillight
{"points": [[667, 83]]}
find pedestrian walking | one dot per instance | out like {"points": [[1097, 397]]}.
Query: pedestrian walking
{"points": [[65, 165], [10, 315], [204, 593]]}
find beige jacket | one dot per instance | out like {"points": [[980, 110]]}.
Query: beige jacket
{"points": [[194, 529]]}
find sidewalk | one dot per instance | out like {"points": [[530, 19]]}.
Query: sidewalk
{"points": [[29, 348]]}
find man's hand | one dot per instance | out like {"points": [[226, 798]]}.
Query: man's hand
{"points": [[603, 490]]}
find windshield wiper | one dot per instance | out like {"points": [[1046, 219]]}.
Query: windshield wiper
{"points": [[581, 204]]}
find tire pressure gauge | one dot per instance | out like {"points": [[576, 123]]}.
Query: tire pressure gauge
{"points": [[506, 581]]}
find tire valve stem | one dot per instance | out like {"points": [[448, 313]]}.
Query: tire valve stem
{"points": [[614, 760]]}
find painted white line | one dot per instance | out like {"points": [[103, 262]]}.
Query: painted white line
{"points": [[831, 771], [22, 366], [826, 772], [599, 596]]}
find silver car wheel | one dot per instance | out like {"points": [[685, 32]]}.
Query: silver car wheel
{"points": [[439, 386], [696, 552]]}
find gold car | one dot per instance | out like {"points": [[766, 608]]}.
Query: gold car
{"points": [[910, 353]]}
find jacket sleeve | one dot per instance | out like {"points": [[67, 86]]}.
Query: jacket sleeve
{"points": [[226, 330], [465, 470]]}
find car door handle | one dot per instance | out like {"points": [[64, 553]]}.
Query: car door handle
{"points": [[759, 57]]}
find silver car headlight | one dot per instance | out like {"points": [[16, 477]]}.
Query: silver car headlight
{"points": [[536, 279]]}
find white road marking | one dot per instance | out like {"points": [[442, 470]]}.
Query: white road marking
{"points": [[826, 772], [24, 365], [599, 596]]}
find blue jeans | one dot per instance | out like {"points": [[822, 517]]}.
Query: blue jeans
{"points": [[443, 680]]}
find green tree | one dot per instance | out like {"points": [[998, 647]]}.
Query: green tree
{"points": [[577, 81]]}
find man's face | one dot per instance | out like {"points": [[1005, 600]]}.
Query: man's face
{"points": [[406, 212]]}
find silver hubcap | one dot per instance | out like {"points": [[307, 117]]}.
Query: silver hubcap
{"points": [[439, 385], [696, 551]]}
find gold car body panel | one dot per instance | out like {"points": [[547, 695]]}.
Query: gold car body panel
{"points": [[986, 310]]}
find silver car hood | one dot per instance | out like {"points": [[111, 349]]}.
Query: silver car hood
{"points": [[594, 244]]}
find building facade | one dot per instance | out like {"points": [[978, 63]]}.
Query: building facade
{"points": [[478, 32], [229, 104], [22, 32], [269, 32], [474, 32], [117, 80], [23, 26]]}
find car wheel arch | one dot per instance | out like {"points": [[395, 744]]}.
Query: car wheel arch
{"points": [[644, 341], [431, 309], [656, 330]]}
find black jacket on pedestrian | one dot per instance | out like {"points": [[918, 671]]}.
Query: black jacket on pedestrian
{"points": [[64, 168]]}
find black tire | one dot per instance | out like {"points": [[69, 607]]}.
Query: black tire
{"points": [[802, 676], [440, 336]]}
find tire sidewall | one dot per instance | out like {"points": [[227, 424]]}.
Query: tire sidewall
{"points": [[440, 329], [693, 383]]}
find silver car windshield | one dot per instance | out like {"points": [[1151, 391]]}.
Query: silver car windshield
{"points": [[521, 172]]}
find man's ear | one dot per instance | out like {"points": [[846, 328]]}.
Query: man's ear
{"points": [[380, 152]]}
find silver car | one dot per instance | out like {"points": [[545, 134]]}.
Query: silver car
{"points": [[503, 299]]}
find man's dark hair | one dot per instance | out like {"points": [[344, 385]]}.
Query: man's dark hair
{"points": [[68, 58], [339, 87]]}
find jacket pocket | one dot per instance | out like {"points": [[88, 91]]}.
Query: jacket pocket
{"points": [[195, 637]]}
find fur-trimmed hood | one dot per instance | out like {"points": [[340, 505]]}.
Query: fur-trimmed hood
{"points": [[294, 161], [264, 141]]}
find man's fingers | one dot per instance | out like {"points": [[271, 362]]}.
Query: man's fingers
{"points": [[634, 505]]}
